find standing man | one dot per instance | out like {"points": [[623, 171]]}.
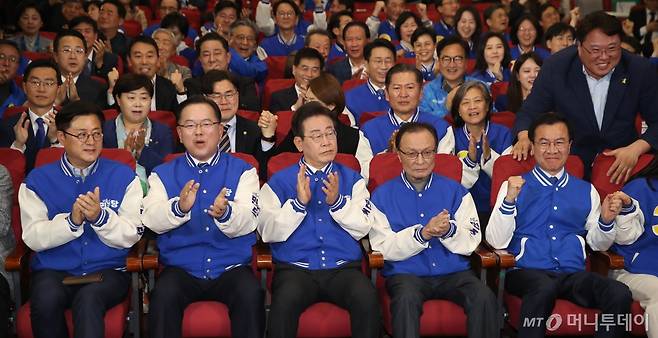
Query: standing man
{"points": [[600, 89], [203, 206], [80, 215]]}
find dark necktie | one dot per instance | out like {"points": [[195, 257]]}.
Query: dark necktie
{"points": [[380, 94], [41, 133], [225, 142], [553, 180]]}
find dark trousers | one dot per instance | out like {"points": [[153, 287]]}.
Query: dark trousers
{"points": [[5, 304], [89, 302], [539, 289], [409, 292], [237, 288], [294, 289]]}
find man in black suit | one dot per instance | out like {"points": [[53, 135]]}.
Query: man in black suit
{"points": [[307, 66], [70, 51], [34, 128], [214, 55], [240, 134], [111, 17], [645, 24], [99, 61], [599, 88], [143, 59], [355, 36]]}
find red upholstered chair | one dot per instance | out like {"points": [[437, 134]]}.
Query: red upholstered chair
{"points": [[48, 35], [132, 28], [440, 317], [470, 65], [193, 17], [276, 66], [406, 60], [33, 56], [13, 110], [505, 118], [600, 167], [115, 318], [273, 85], [180, 60], [283, 125], [505, 167], [249, 115], [499, 88], [167, 118], [320, 319], [369, 115], [148, 13], [351, 83], [110, 114], [204, 318]]}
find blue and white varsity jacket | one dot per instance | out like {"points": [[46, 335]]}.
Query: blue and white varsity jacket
{"points": [[637, 232], [546, 228], [400, 213], [47, 196], [365, 98], [276, 46], [315, 236], [200, 244]]}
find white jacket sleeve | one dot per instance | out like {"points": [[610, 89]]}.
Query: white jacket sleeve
{"points": [[277, 222], [488, 165], [599, 236], [630, 224], [242, 213], [319, 21], [447, 143], [373, 24], [123, 229], [502, 222], [352, 212], [159, 214], [39, 232], [264, 20], [364, 155], [466, 226], [394, 246]]}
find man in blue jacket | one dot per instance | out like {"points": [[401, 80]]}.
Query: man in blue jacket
{"points": [[80, 215], [544, 218], [313, 214], [203, 206]]}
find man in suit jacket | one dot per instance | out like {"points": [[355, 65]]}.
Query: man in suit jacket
{"points": [[307, 66], [99, 61], [645, 24], [34, 129], [355, 36], [70, 51], [600, 89], [214, 55]]}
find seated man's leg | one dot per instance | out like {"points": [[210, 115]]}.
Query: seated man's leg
{"points": [[407, 292], [645, 290], [538, 290], [239, 289], [293, 290], [92, 300], [49, 299], [350, 289], [174, 290], [589, 289], [478, 301]]}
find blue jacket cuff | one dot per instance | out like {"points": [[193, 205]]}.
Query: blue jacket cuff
{"points": [[340, 202], [418, 235], [628, 209], [605, 227], [74, 227], [451, 232], [298, 206], [102, 218], [175, 208], [507, 208], [469, 163], [227, 214]]}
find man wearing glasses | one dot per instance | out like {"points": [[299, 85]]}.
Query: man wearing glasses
{"points": [[10, 93], [313, 214], [34, 129], [70, 53], [80, 225], [426, 251], [600, 89], [452, 73], [544, 218], [203, 206]]}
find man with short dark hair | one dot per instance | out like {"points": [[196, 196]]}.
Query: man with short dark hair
{"points": [[319, 40], [355, 36], [544, 218], [600, 89], [80, 225], [244, 59], [559, 36], [335, 27], [307, 66], [177, 23], [10, 93], [99, 60], [111, 17]]}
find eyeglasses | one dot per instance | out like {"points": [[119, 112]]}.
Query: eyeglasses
{"points": [[226, 96], [206, 125], [559, 144], [446, 60], [384, 61], [69, 50], [413, 155], [317, 137], [38, 83], [598, 52], [12, 59], [247, 38], [83, 137]]}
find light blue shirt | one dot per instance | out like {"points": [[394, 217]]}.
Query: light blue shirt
{"points": [[598, 90]]}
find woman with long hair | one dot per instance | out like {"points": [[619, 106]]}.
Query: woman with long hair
{"points": [[524, 73]]}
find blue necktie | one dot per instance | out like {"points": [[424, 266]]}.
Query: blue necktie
{"points": [[41, 133], [553, 180]]}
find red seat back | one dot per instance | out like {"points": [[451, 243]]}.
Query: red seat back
{"points": [[470, 65], [369, 115], [167, 118], [33, 56], [505, 118], [249, 115], [272, 86], [276, 66], [498, 89], [284, 160], [193, 17], [13, 110], [600, 167], [506, 166], [408, 61], [49, 155], [351, 83], [283, 126], [132, 28], [386, 166], [180, 60]]}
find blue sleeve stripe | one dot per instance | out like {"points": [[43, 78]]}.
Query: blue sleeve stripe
{"points": [[72, 225], [298, 206], [628, 210], [175, 208], [469, 163], [451, 231], [102, 218], [339, 204], [418, 236], [606, 227], [507, 208], [227, 214]]}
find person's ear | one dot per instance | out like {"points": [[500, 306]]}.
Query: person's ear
{"points": [[298, 143]]}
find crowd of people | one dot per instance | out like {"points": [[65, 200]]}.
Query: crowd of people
{"points": [[73, 76]]}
